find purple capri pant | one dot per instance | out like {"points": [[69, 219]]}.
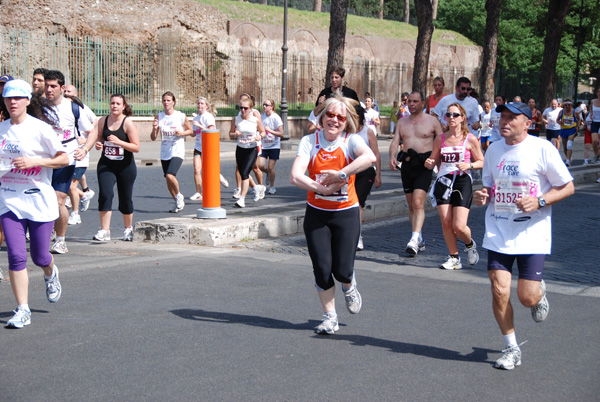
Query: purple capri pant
{"points": [[39, 243]]}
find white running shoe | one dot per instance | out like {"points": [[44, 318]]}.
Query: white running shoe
{"points": [[196, 197], [20, 319], [90, 194], [179, 203], [539, 312], [74, 218], [53, 288], [328, 325], [451, 263], [59, 247], [412, 248], [360, 245], [472, 254], [272, 190], [102, 235], [224, 182], [353, 300], [237, 193], [128, 234], [511, 357], [421, 246], [240, 203], [263, 191], [68, 202], [257, 192], [84, 203]]}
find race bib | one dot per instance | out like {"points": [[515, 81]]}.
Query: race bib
{"points": [[169, 134], [533, 126], [113, 152], [452, 155], [495, 121], [568, 121], [507, 192], [338, 196]]}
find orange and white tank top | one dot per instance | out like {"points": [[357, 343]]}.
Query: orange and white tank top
{"points": [[335, 158]]}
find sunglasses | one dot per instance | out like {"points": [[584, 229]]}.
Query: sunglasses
{"points": [[244, 108], [339, 116], [266, 104], [455, 115]]}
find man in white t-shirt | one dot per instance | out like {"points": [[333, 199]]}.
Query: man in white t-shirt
{"points": [[522, 176], [461, 97], [271, 144], [67, 133]]}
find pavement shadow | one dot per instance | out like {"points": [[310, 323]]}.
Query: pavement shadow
{"points": [[478, 355], [251, 320]]}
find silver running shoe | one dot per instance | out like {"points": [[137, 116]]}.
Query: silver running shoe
{"points": [[53, 288], [128, 234], [472, 254], [59, 247], [360, 245], [237, 193], [412, 248], [20, 319], [328, 326], [84, 202], [102, 235], [421, 246], [257, 191], [539, 312], [451, 263], [511, 357], [353, 300]]}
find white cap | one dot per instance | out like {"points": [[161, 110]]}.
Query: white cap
{"points": [[17, 89]]}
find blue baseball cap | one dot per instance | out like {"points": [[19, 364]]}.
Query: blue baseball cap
{"points": [[17, 89], [6, 78], [516, 108]]}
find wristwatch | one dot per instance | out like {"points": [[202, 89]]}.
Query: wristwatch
{"points": [[541, 202], [343, 175]]}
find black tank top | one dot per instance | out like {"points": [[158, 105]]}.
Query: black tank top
{"points": [[114, 154]]}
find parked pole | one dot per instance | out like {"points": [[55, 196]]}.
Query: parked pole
{"points": [[211, 173]]}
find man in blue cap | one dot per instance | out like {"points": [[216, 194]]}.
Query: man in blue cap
{"points": [[522, 177]]}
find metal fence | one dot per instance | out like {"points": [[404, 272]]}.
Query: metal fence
{"points": [[99, 67]]}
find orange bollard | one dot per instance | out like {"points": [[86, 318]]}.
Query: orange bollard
{"points": [[211, 183]]}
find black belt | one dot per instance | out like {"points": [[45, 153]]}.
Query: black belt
{"points": [[67, 141]]}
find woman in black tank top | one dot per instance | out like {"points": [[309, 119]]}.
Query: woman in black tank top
{"points": [[118, 141]]}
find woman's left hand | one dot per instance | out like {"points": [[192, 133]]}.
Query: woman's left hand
{"points": [[331, 177], [463, 166]]}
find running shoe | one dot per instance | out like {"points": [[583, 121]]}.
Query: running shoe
{"points": [[568, 163], [237, 193], [74, 218], [257, 192], [263, 191], [84, 202], [68, 202], [52, 236], [102, 235], [20, 319], [586, 162], [272, 190], [412, 248], [224, 182], [421, 246], [451, 263], [328, 325], [59, 247], [360, 244], [90, 194], [179, 203], [511, 357], [196, 197], [353, 300], [128, 234], [539, 312], [53, 288], [472, 254], [240, 203], [596, 160]]}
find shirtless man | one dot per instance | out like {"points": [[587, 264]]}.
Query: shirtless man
{"points": [[417, 132]]}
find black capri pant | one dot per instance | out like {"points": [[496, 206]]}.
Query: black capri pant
{"points": [[124, 176], [363, 183], [245, 159], [331, 237]]}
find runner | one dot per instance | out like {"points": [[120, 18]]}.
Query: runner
{"points": [[522, 177], [336, 77], [372, 175], [372, 119], [205, 120], [273, 126], [457, 153], [3, 111], [495, 120], [536, 119], [569, 123], [403, 110], [417, 133], [438, 88], [461, 97], [118, 141], [172, 125], [595, 126], [38, 82], [393, 118], [30, 150], [249, 131], [550, 118], [67, 130], [587, 140], [332, 157], [486, 128]]}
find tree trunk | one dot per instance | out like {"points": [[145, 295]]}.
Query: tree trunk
{"points": [[407, 11], [557, 13], [425, 24], [381, 9], [266, 2], [317, 6], [434, 5], [490, 51], [337, 35]]}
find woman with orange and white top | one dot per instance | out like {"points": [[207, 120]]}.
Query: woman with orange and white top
{"points": [[457, 153], [433, 99], [332, 157]]}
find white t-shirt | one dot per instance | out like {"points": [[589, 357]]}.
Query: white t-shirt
{"points": [[171, 145], [271, 141], [370, 116], [486, 130], [66, 131], [28, 193], [248, 128], [312, 118], [469, 104], [206, 119], [552, 116], [532, 168], [91, 116], [495, 131]]}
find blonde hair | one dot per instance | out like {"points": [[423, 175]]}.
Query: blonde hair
{"points": [[247, 98], [211, 107], [348, 104], [464, 127]]}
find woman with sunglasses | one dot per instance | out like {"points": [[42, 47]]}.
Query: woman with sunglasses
{"points": [[456, 153], [172, 125], [332, 157], [271, 145], [248, 130]]}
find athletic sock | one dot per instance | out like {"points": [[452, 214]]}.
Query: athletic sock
{"points": [[85, 190], [470, 244], [332, 314], [454, 256], [60, 238], [415, 236], [23, 307], [510, 340]]}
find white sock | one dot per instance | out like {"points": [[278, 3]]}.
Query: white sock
{"points": [[331, 314], [242, 197], [23, 307], [52, 274], [510, 340], [60, 238], [415, 236]]}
